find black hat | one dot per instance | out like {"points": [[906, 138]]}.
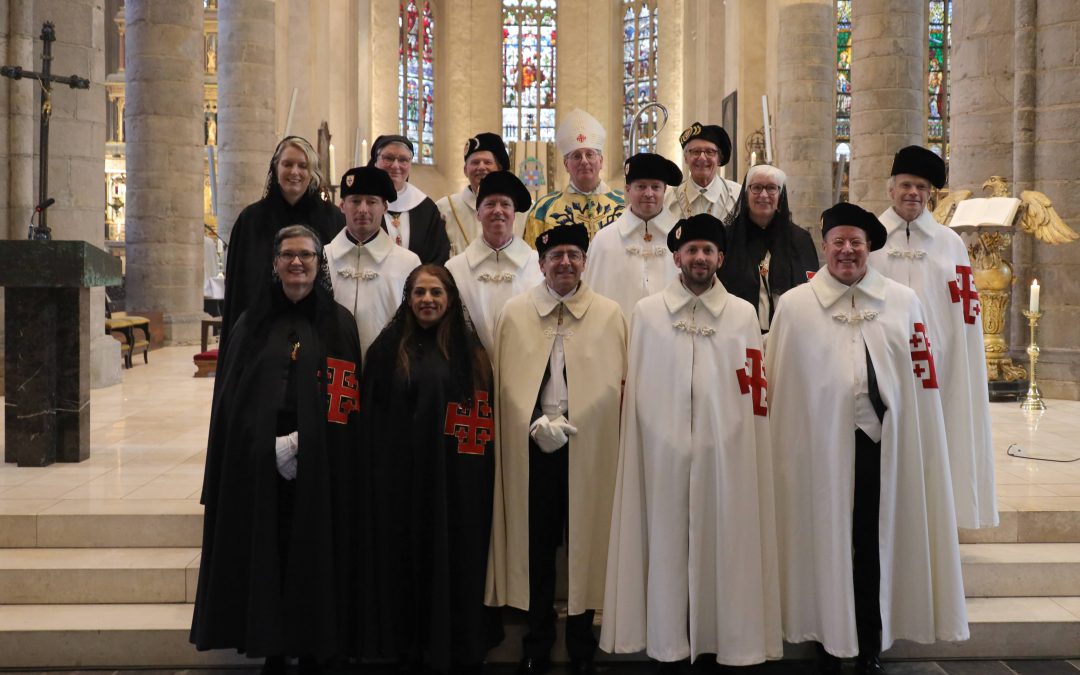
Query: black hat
{"points": [[712, 133], [574, 233], [493, 143], [918, 161], [855, 216], [368, 180], [696, 228], [649, 166], [382, 141], [504, 183]]}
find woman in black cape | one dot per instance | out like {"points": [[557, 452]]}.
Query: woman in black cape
{"points": [[429, 426], [278, 559], [761, 224], [293, 194]]}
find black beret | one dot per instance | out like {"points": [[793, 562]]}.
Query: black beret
{"points": [[574, 234], [382, 141], [649, 166], [493, 143], [709, 132], [918, 161], [505, 183], [855, 216], [368, 180], [697, 228]]}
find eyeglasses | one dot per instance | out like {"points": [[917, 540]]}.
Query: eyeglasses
{"points": [[557, 256], [395, 159], [769, 189], [584, 156], [855, 244], [288, 256], [703, 152]]}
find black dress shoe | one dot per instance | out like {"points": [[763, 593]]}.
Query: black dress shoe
{"points": [[531, 666], [273, 665], [869, 666], [582, 667], [827, 664]]}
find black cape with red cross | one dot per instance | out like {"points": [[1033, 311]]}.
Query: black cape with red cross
{"points": [[271, 584], [432, 472]]}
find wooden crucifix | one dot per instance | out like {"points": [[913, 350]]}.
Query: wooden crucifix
{"points": [[46, 78]]}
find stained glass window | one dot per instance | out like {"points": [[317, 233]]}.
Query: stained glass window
{"points": [[640, 35], [416, 78], [937, 77], [843, 78], [528, 66]]}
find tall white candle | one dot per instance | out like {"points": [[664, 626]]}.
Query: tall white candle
{"points": [[1033, 304], [753, 159], [292, 109], [363, 153], [333, 166]]}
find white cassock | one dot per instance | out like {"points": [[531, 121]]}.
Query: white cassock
{"points": [[932, 260], [812, 356], [693, 540], [462, 223], [630, 260], [488, 278], [718, 198], [369, 279]]}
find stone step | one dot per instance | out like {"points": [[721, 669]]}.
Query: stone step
{"points": [[1037, 520], [102, 575], [1020, 570], [101, 523], [156, 635]]}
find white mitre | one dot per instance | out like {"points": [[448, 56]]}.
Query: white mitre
{"points": [[579, 129]]}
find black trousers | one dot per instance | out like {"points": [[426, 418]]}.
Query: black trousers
{"points": [[866, 565], [548, 513]]}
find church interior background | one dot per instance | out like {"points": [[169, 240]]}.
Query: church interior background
{"points": [[189, 97]]}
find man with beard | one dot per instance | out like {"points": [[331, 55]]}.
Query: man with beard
{"points": [[692, 558], [706, 148], [497, 265], [932, 260], [367, 268], [484, 153], [629, 261]]}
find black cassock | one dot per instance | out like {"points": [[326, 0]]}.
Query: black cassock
{"points": [[279, 561], [432, 479]]}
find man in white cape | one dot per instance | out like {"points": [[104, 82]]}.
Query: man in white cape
{"points": [[497, 265], [559, 367], [485, 152], [692, 565], [367, 268], [865, 522], [706, 148], [932, 260], [629, 259]]}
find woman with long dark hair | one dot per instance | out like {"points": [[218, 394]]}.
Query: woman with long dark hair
{"points": [[292, 195], [279, 528], [767, 254], [429, 428]]}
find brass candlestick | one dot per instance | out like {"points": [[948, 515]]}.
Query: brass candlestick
{"points": [[1033, 400]]}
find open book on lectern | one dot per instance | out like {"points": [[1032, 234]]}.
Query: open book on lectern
{"points": [[985, 213]]}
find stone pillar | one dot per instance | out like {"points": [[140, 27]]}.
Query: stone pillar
{"points": [[806, 109], [20, 121], [888, 76], [745, 71], [246, 136], [164, 117]]}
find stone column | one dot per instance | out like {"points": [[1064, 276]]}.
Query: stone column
{"points": [[164, 117], [246, 136], [20, 122], [806, 110], [888, 76]]}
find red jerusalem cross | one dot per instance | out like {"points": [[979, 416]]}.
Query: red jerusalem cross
{"points": [[581, 138], [963, 288], [921, 357], [342, 391], [472, 427], [753, 377]]}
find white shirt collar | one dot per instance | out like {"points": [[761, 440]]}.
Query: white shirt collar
{"points": [[601, 188], [517, 252], [712, 192], [409, 198], [378, 248], [629, 224], [468, 198], [925, 223], [828, 290], [676, 296]]}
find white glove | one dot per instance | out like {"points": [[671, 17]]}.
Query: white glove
{"points": [[551, 435], [286, 447]]}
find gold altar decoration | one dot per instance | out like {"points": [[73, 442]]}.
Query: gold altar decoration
{"points": [[1033, 400], [993, 274]]}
